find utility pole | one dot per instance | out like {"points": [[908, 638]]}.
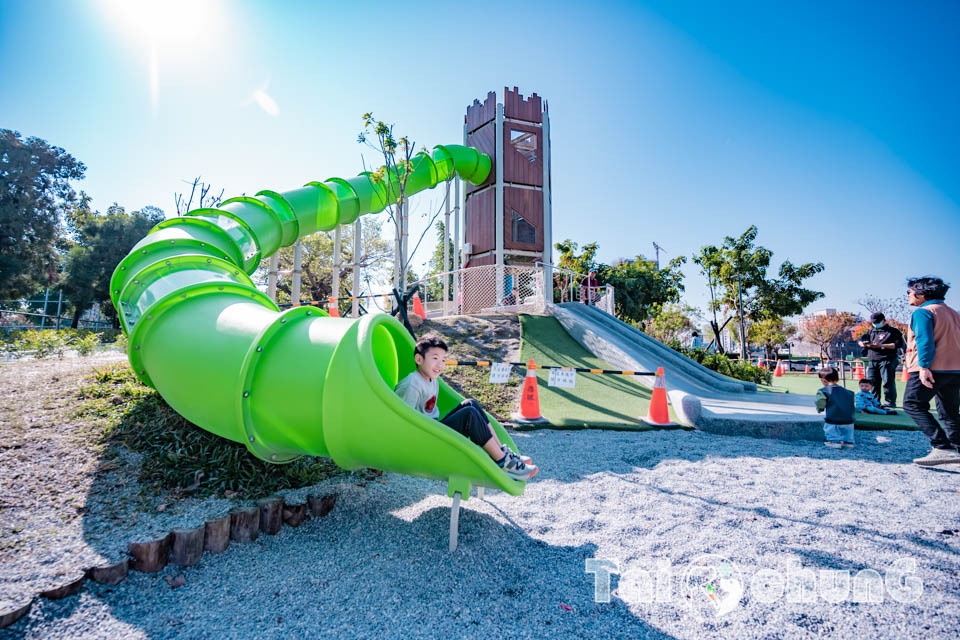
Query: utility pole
{"points": [[743, 338]]}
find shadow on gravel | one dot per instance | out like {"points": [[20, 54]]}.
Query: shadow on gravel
{"points": [[377, 566]]}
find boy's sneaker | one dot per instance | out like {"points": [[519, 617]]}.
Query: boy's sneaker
{"points": [[939, 456], [517, 468], [525, 459], [833, 445]]}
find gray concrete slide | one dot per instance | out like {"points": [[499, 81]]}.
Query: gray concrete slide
{"points": [[700, 397]]}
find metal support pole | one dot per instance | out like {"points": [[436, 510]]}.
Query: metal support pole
{"points": [[743, 338], [404, 237], [498, 214], [547, 209], [337, 241], [295, 285], [357, 249], [455, 521], [461, 213], [446, 249], [43, 317], [396, 246], [59, 308], [272, 277]]}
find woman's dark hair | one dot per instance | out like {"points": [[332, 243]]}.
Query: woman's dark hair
{"points": [[828, 374], [929, 287], [426, 343]]}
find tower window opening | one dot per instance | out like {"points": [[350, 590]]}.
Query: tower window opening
{"points": [[521, 230], [525, 143]]}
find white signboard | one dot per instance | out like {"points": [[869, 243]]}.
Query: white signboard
{"points": [[565, 378], [500, 372]]}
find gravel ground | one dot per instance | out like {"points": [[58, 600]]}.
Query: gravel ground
{"points": [[378, 566], [63, 507]]}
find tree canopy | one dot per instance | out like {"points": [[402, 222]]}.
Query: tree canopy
{"points": [[35, 194], [641, 289], [100, 242], [737, 270], [826, 330], [317, 263]]}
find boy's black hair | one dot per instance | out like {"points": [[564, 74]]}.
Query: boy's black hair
{"points": [[829, 374], [426, 343], [866, 380], [929, 287]]}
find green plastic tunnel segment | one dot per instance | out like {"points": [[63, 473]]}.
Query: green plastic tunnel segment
{"points": [[298, 382]]}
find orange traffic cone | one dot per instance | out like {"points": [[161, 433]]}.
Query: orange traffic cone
{"points": [[858, 371], [760, 363], [658, 414], [905, 374], [778, 372], [530, 400], [418, 306], [332, 308], [806, 369]]}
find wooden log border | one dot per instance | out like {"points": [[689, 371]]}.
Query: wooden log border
{"points": [[181, 546]]}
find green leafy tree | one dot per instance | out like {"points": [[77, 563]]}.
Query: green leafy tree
{"points": [[737, 276], [827, 330], [771, 334], [35, 194], [397, 153], [674, 324], [578, 263], [316, 264], [100, 242], [641, 289]]}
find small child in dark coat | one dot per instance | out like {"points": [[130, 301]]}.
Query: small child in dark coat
{"points": [[838, 403]]}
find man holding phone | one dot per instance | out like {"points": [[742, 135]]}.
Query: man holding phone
{"points": [[881, 345]]}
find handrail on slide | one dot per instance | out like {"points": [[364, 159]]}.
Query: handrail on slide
{"points": [[297, 382]]}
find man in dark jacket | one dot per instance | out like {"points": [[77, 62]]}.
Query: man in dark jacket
{"points": [[881, 345]]}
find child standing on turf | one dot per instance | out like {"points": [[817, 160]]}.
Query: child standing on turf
{"points": [[420, 390], [838, 404], [867, 402]]}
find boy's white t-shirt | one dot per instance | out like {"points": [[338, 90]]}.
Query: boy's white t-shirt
{"points": [[420, 393]]}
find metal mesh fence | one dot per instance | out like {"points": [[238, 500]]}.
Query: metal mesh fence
{"points": [[475, 290]]}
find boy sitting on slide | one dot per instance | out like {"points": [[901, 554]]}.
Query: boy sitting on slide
{"points": [[420, 390]]}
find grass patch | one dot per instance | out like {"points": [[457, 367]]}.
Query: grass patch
{"points": [[177, 455], [809, 383], [598, 401], [480, 339]]}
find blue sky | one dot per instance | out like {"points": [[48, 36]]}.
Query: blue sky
{"points": [[831, 126]]}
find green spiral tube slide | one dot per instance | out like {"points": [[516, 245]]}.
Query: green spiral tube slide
{"points": [[293, 383]]}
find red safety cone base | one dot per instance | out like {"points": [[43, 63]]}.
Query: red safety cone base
{"points": [[659, 413]]}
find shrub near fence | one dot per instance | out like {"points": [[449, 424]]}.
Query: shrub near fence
{"points": [[50, 342]]}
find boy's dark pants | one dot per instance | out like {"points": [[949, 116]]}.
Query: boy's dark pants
{"points": [[469, 419], [885, 370], [916, 404]]}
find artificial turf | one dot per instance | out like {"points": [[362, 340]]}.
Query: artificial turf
{"points": [[598, 401], [809, 383]]}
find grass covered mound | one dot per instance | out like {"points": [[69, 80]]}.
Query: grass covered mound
{"points": [[176, 455], [472, 338], [602, 401], [179, 457]]}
